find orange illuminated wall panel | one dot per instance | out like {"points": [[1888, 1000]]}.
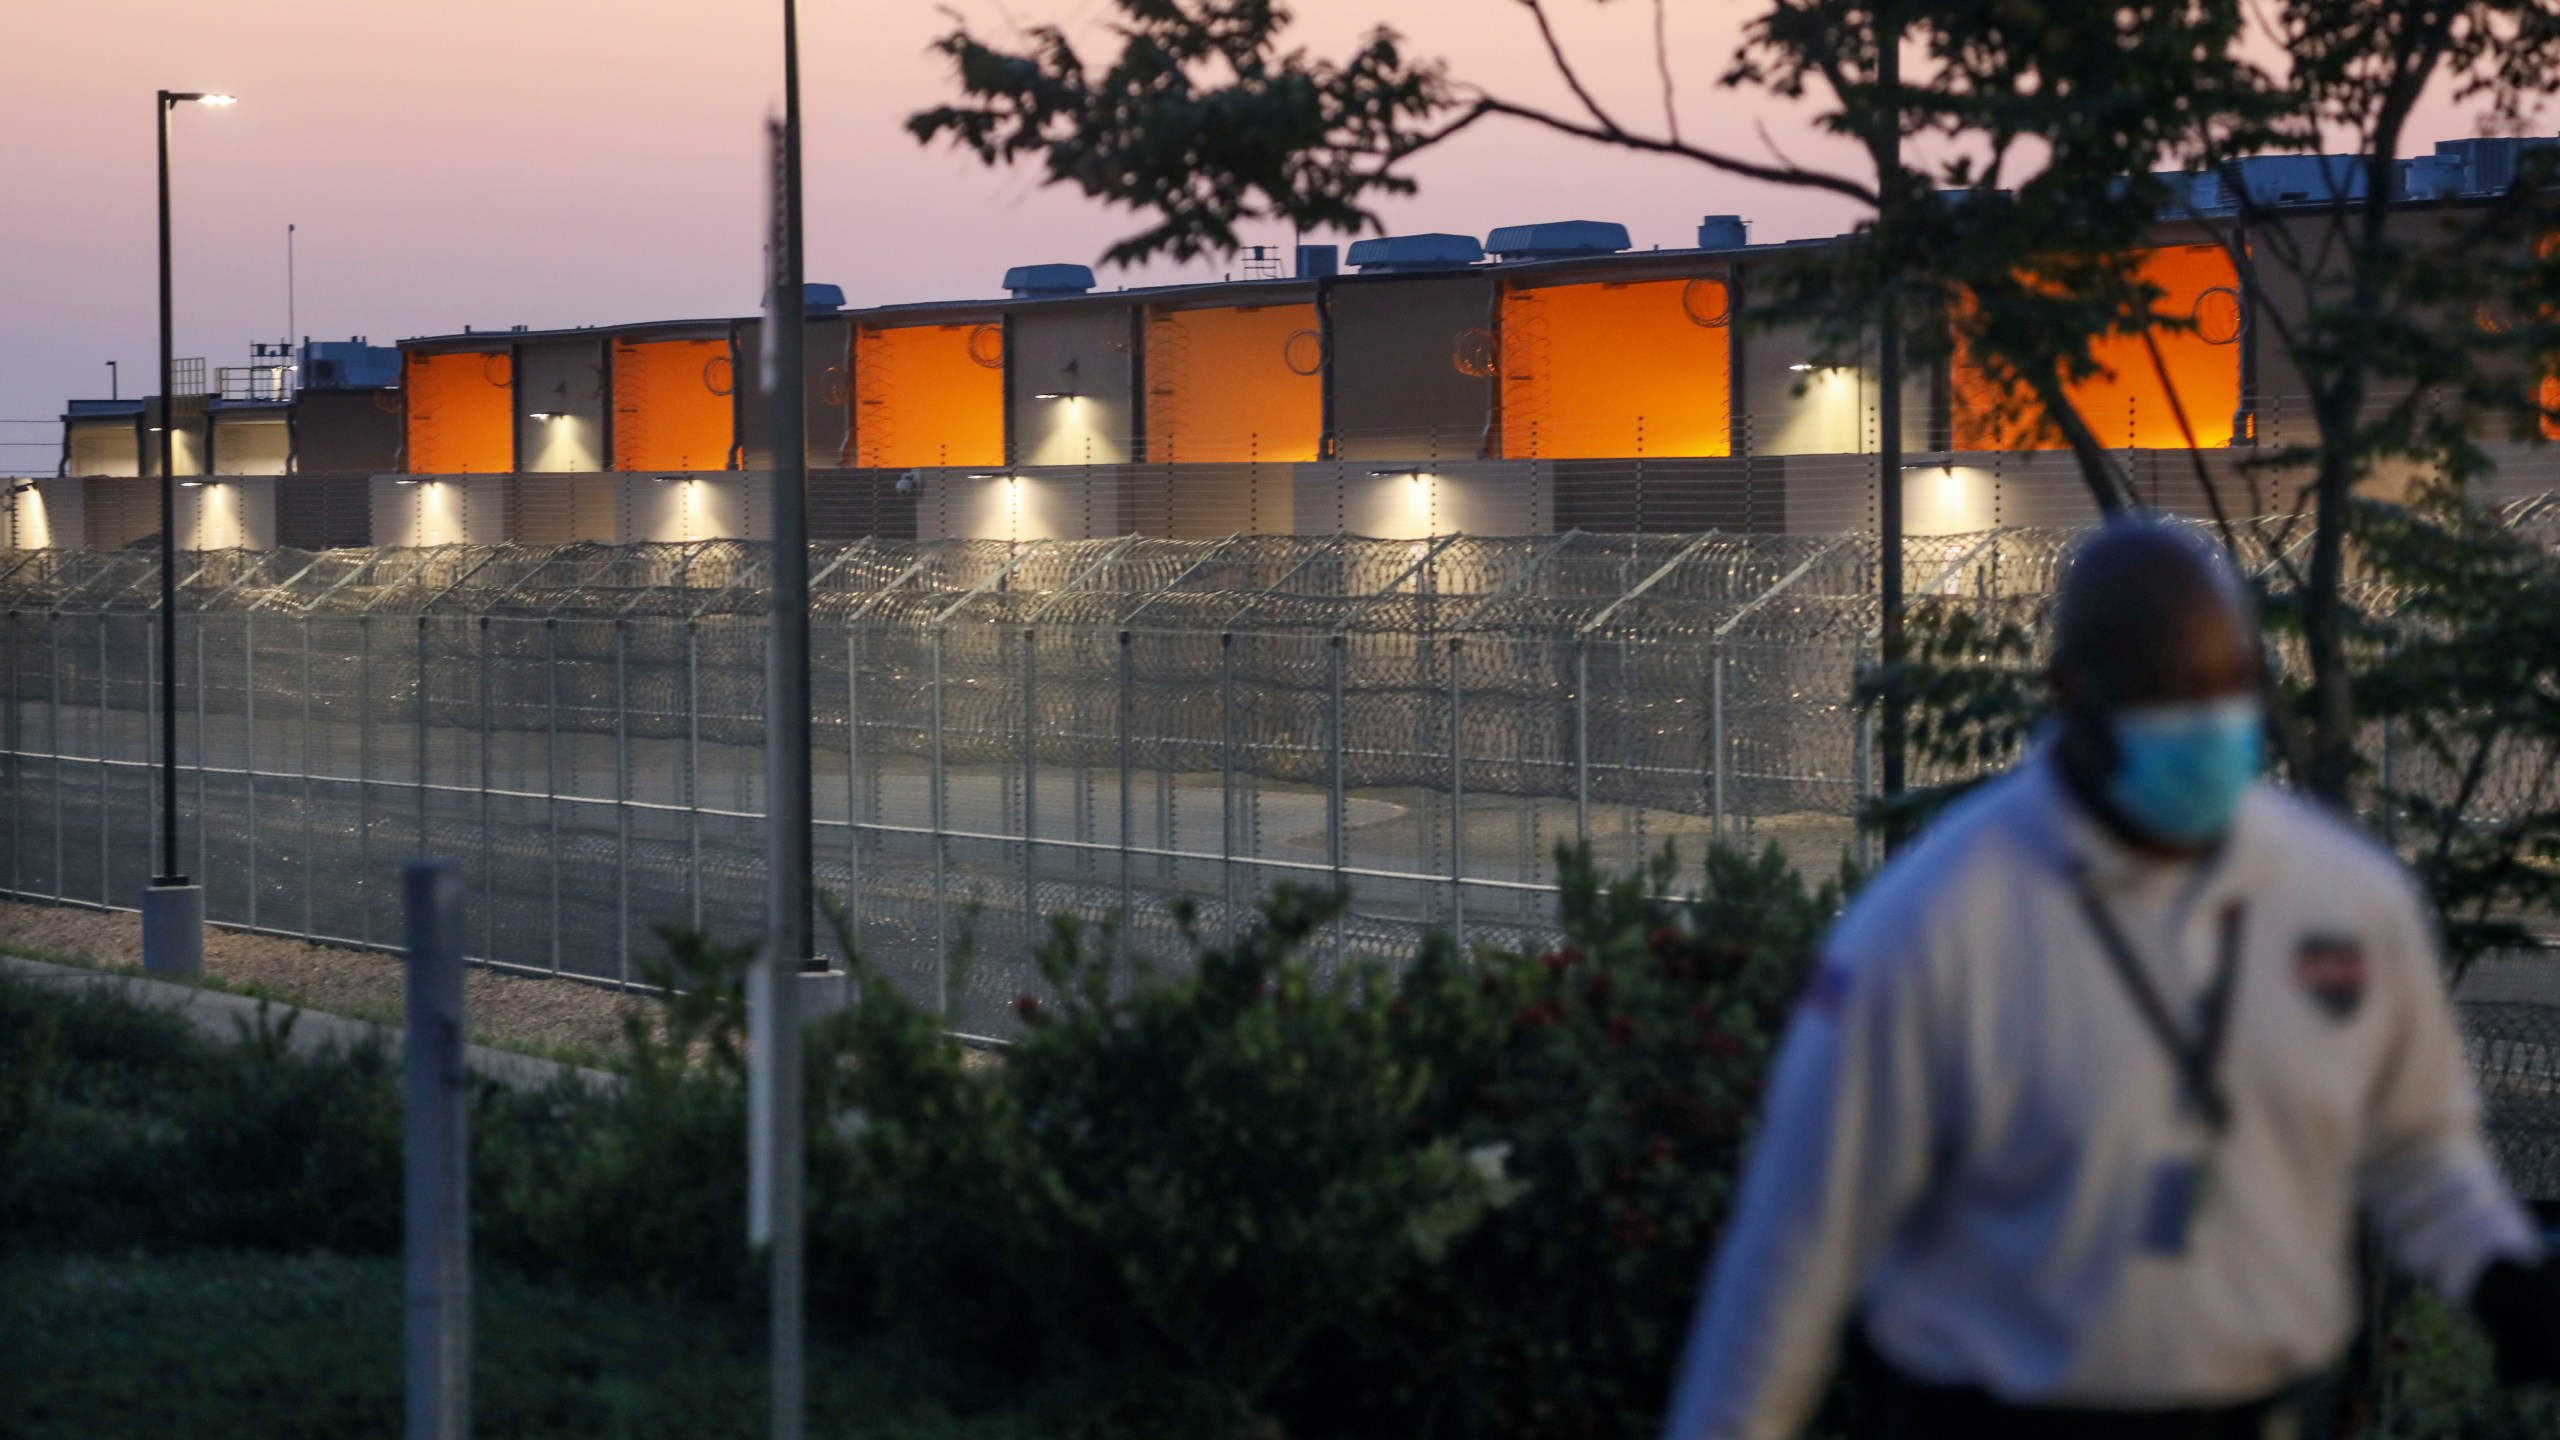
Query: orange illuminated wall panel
{"points": [[461, 413], [928, 395], [2126, 405], [671, 405], [1227, 385], [1611, 370]]}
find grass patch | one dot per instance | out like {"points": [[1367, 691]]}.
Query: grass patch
{"points": [[229, 1343]]}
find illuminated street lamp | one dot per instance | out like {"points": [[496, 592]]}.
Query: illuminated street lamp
{"points": [[172, 909]]}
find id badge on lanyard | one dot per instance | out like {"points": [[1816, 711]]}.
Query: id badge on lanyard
{"points": [[2179, 1186]]}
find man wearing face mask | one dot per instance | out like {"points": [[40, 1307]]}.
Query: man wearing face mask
{"points": [[2078, 1114]]}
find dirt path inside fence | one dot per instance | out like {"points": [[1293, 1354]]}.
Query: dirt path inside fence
{"points": [[562, 1019]]}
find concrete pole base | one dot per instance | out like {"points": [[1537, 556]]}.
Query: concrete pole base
{"points": [[823, 992], [173, 930]]}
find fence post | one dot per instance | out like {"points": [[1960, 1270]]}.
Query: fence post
{"points": [[1334, 846], [106, 715], [248, 741], [622, 800], [488, 830], [53, 728], [1128, 806], [1227, 780], [937, 802], [310, 876], [852, 785], [1581, 741], [693, 769], [421, 739], [1457, 794], [1030, 808], [437, 1190], [1716, 736], [17, 764], [204, 811], [364, 776], [551, 772]]}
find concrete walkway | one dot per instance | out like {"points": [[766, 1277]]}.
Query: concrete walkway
{"points": [[224, 1018]]}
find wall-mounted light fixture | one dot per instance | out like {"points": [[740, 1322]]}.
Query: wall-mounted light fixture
{"points": [[1416, 476], [1053, 395]]}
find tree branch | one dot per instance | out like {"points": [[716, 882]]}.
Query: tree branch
{"points": [[1774, 174]]}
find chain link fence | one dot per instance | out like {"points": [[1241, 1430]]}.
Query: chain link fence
{"points": [[1128, 731]]}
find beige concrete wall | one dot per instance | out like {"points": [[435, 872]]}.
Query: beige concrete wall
{"points": [[1084, 355], [1069, 503], [564, 379], [102, 447], [220, 514], [53, 515], [1478, 497], [451, 510], [1398, 391], [251, 445]]}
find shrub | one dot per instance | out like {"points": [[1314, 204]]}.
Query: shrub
{"points": [[1170, 1185], [122, 1127], [1616, 1077]]}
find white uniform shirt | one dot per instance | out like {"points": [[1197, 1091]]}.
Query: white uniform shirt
{"points": [[1969, 1117]]}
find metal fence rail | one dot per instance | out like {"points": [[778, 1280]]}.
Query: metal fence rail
{"points": [[1004, 733]]}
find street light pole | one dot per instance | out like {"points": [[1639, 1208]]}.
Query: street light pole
{"points": [[774, 1104], [172, 908]]}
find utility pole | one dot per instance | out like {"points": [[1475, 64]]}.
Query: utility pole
{"points": [[1888, 152], [292, 355], [775, 1121]]}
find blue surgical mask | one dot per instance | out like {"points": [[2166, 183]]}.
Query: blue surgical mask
{"points": [[2181, 769]]}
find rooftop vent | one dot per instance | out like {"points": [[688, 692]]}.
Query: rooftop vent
{"points": [[1395, 254], [1723, 232], [1043, 282], [1557, 240], [1318, 261], [817, 299]]}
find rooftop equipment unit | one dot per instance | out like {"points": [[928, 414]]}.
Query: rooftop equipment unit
{"points": [[817, 299], [1723, 232], [1399, 254], [1316, 262], [1048, 282], [349, 365], [1558, 240]]}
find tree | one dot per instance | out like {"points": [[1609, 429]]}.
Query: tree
{"points": [[1205, 119]]}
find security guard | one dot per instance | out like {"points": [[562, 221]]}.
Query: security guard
{"points": [[2078, 1112]]}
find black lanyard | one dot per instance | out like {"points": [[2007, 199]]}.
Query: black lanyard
{"points": [[2198, 1059]]}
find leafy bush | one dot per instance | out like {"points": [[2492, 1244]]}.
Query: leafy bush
{"points": [[1616, 1077], [122, 1127], [1171, 1184]]}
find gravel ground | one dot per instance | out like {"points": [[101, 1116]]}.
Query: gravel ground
{"points": [[559, 1017]]}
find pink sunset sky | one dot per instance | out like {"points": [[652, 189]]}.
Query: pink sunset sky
{"points": [[565, 162]]}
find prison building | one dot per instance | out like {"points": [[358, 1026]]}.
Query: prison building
{"points": [[1544, 378]]}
